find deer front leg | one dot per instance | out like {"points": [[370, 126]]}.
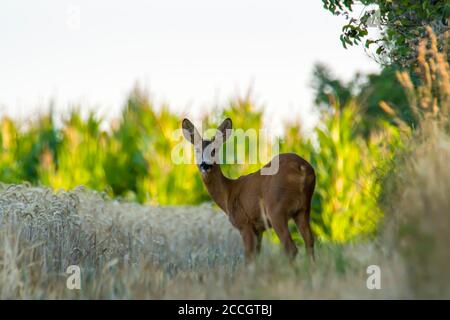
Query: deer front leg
{"points": [[249, 238]]}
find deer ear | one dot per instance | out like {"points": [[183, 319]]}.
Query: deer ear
{"points": [[224, 130], [190, 132]]}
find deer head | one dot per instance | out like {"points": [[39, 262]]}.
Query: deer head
{"points": [[206, 151]]}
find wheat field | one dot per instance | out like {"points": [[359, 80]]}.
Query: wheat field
{"points": [[130, 251]]}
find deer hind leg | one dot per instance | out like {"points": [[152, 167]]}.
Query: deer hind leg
{"points": [[250, 243], [280, 225], [302, 221]]}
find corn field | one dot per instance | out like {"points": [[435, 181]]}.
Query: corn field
{"points": [[139, 226]]}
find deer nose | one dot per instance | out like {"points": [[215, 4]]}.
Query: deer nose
{"points": [[204, 167]]}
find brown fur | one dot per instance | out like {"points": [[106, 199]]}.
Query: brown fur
{"points": [[255, 202]]}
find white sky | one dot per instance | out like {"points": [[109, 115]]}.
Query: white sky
{"points": [[193, 54]]}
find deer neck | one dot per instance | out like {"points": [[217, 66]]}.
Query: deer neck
{"points": [[218, 186]]}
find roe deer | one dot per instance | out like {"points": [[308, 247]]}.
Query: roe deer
{"points": [[255, 202]]}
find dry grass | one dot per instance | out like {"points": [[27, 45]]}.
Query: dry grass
{"points": [[42, 233], [417, 192], [418, 212]]}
